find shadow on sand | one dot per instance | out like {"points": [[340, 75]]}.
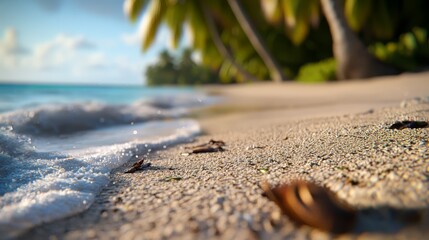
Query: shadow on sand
{"points": [[388, 220]]}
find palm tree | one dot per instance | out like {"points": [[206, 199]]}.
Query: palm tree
{"points": [[223, 50], [353, 59], [297, 16], [176, 14], [257, 42], [214, 26]]}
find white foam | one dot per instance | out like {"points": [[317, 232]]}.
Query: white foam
{"points": [[62, 176], [54, 119]]}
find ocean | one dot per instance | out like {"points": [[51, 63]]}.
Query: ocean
{"points": [[58, 144]]}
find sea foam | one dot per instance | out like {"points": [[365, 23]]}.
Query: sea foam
{"points": [[55, 159]]}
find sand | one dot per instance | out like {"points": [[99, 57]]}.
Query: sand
{"points": [[335, 135]]}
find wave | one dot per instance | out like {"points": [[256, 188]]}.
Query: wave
{"points": [[54, 159], [58, 119]]}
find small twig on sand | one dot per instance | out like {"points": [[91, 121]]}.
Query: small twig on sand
{"points": [[211, 146]]}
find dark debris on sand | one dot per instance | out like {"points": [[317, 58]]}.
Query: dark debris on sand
{"points": [[399, 125], [137, 166], [211, 146]]}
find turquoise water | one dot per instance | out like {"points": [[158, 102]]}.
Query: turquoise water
{"points": [[59, 143], [14, 96]]}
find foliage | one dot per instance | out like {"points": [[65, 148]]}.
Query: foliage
{"points": [[408, 54], [295, 31], [297, 16], [383, 20], [180, 71], [133, 8], [317, 72]]}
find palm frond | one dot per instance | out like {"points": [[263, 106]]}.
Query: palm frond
{"points": [[133, 8], [357, 13], [151, 22], [175, 17], [272, 11]]}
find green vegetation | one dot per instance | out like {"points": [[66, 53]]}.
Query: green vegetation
{"points": [[181, 71], [290, 39], [317, 72], [407, 54]]}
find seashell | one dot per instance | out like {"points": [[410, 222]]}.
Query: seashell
{"points": [[309, 204]]}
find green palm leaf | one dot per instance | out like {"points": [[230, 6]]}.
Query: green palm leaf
{"points": [[299, 32], [225, 72], [297, 15], [382, 25], [197, 27], [291, 9], [314, 11], [357, 13], [133, 8], [272, 11], [175, 17], [152, 22], [211, 57]]}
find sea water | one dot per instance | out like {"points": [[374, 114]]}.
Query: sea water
{"points": [[58, 144]]}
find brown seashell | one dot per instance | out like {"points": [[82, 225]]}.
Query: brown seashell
{"points": [[309, 204]]}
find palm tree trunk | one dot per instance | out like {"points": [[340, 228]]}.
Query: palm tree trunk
{"points": [[221, 46], [249, 29], [353, 59]]}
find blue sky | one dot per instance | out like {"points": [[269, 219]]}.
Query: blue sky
{"points": [[72, 41]]}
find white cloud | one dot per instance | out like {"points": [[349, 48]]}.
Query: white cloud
{"points": [[60, 50], [10, 44], [63, 41], [97, 61], [67, 58], [10, 48], [61, 53], [130, 65], [131, 39]]}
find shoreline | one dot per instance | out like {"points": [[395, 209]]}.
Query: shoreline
{"points": [[306, 135], [290, 101]]}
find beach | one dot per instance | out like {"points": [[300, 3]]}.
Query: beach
{"points": [[333, 134]]}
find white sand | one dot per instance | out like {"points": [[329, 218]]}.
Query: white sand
{"points": [[333, 134]]}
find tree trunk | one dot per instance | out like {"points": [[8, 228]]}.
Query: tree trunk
{"points": [[221, 46], [275, 71], [353, 59]]}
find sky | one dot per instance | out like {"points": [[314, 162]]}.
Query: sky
{"points": [[73, 42]]}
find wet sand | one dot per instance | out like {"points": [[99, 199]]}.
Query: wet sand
{"points": [[334, 134]]}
